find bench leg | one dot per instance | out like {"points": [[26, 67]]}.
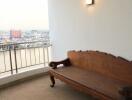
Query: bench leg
{"points": [[52, 80]]}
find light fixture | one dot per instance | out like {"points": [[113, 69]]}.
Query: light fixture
{"points": [[89, 2]]}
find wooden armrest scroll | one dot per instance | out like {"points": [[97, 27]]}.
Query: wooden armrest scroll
{"points": [[65, 62], [126, 92]]}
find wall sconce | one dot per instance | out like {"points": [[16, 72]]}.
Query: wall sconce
{"points": [[89, 2]]}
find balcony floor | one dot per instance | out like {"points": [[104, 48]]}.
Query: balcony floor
{"points": [[39, 89]]}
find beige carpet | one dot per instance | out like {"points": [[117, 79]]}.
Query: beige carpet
{"points": [[39, 89]]}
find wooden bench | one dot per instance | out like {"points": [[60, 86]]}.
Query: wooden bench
{"points": [[101, 75]]}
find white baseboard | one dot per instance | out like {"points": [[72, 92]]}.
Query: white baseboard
{"points": [[11, 78]]}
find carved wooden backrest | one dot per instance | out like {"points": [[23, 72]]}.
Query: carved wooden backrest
{"points": [[107, 64]]}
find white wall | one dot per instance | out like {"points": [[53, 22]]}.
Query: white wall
{"points": [[105, 26]]}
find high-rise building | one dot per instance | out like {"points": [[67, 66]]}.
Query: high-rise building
{"points": [[15, 33]]}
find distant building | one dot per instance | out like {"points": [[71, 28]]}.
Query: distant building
{"points": [[15, 33]]}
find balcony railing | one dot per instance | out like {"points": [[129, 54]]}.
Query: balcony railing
{"points": [[17, 56]]}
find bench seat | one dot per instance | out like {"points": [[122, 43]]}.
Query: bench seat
{"points": [[93, 80]]}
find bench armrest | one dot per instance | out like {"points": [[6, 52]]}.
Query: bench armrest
{"points": [[126, 92], [65, 62]]}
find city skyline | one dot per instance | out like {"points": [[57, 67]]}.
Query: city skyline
{"points": [[23, 36]]}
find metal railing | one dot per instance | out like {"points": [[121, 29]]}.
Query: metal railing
{"points": [[17, 56]]}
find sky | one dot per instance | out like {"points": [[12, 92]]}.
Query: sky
{"points": [[24, 14]]}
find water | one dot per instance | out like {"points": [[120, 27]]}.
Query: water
{"points": [[25, 57]]}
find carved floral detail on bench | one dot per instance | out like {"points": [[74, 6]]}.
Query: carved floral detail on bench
{"points": [[103, 53]]}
